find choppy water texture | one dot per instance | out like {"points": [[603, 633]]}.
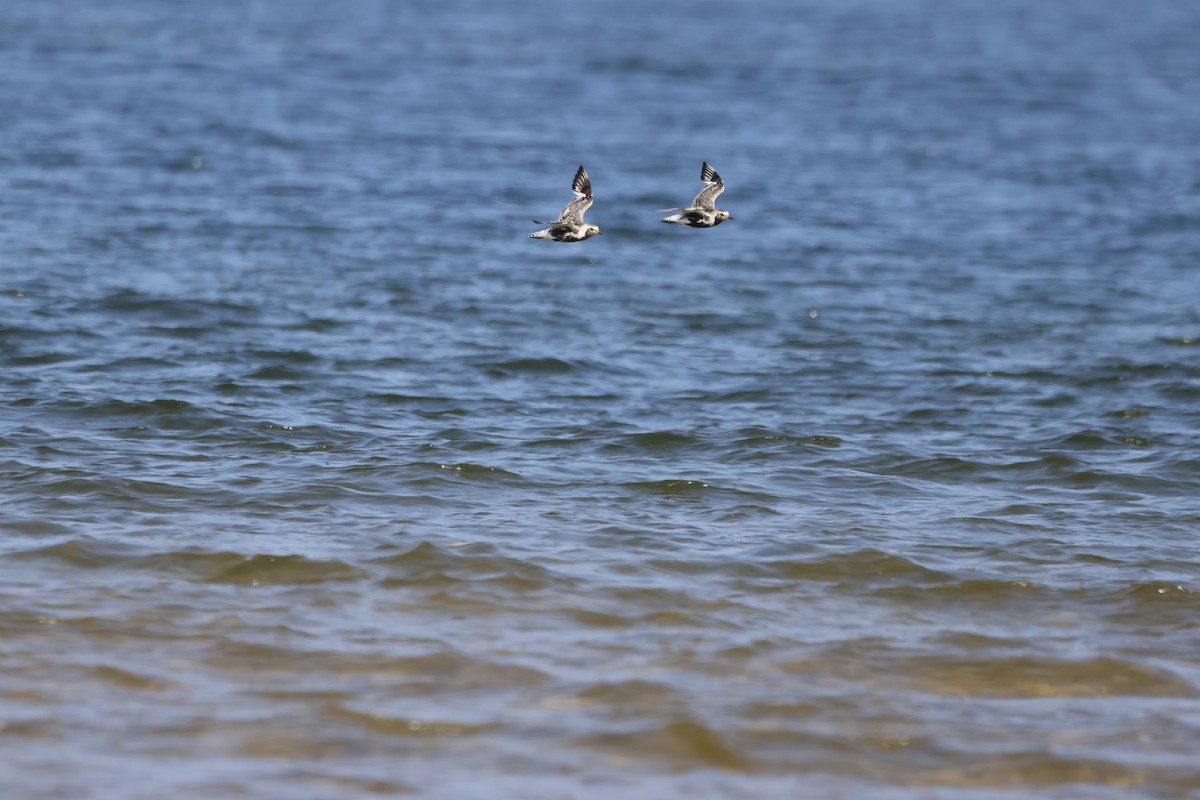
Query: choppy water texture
{"points": [[319, 480]]}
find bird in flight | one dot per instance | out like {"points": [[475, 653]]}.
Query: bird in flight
{"points": [[570, 226], [703, 212]]}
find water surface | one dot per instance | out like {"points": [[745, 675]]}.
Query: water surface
{"points": [[318, 479]]}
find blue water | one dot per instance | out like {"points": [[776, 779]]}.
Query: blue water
{"points": [[319, 479]]}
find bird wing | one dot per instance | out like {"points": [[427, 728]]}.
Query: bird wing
{"points": [[713, 186], [582, 187]]}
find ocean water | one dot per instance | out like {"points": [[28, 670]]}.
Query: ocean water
{"points": [[318, 479]]}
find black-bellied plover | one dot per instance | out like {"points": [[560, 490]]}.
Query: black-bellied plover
{"points": [[703, 212], [570, 226]]}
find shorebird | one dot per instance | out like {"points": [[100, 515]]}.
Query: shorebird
{"points": [[570, 226], [703, 212]]}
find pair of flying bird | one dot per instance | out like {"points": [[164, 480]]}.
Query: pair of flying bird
{"points": [[703, 213]]}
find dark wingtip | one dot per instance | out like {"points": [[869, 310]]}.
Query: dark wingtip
{"points": [[708, 174], [582, 183]]}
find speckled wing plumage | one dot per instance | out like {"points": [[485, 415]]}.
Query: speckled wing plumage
{"points": [[582, 187], [707, 198]]}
